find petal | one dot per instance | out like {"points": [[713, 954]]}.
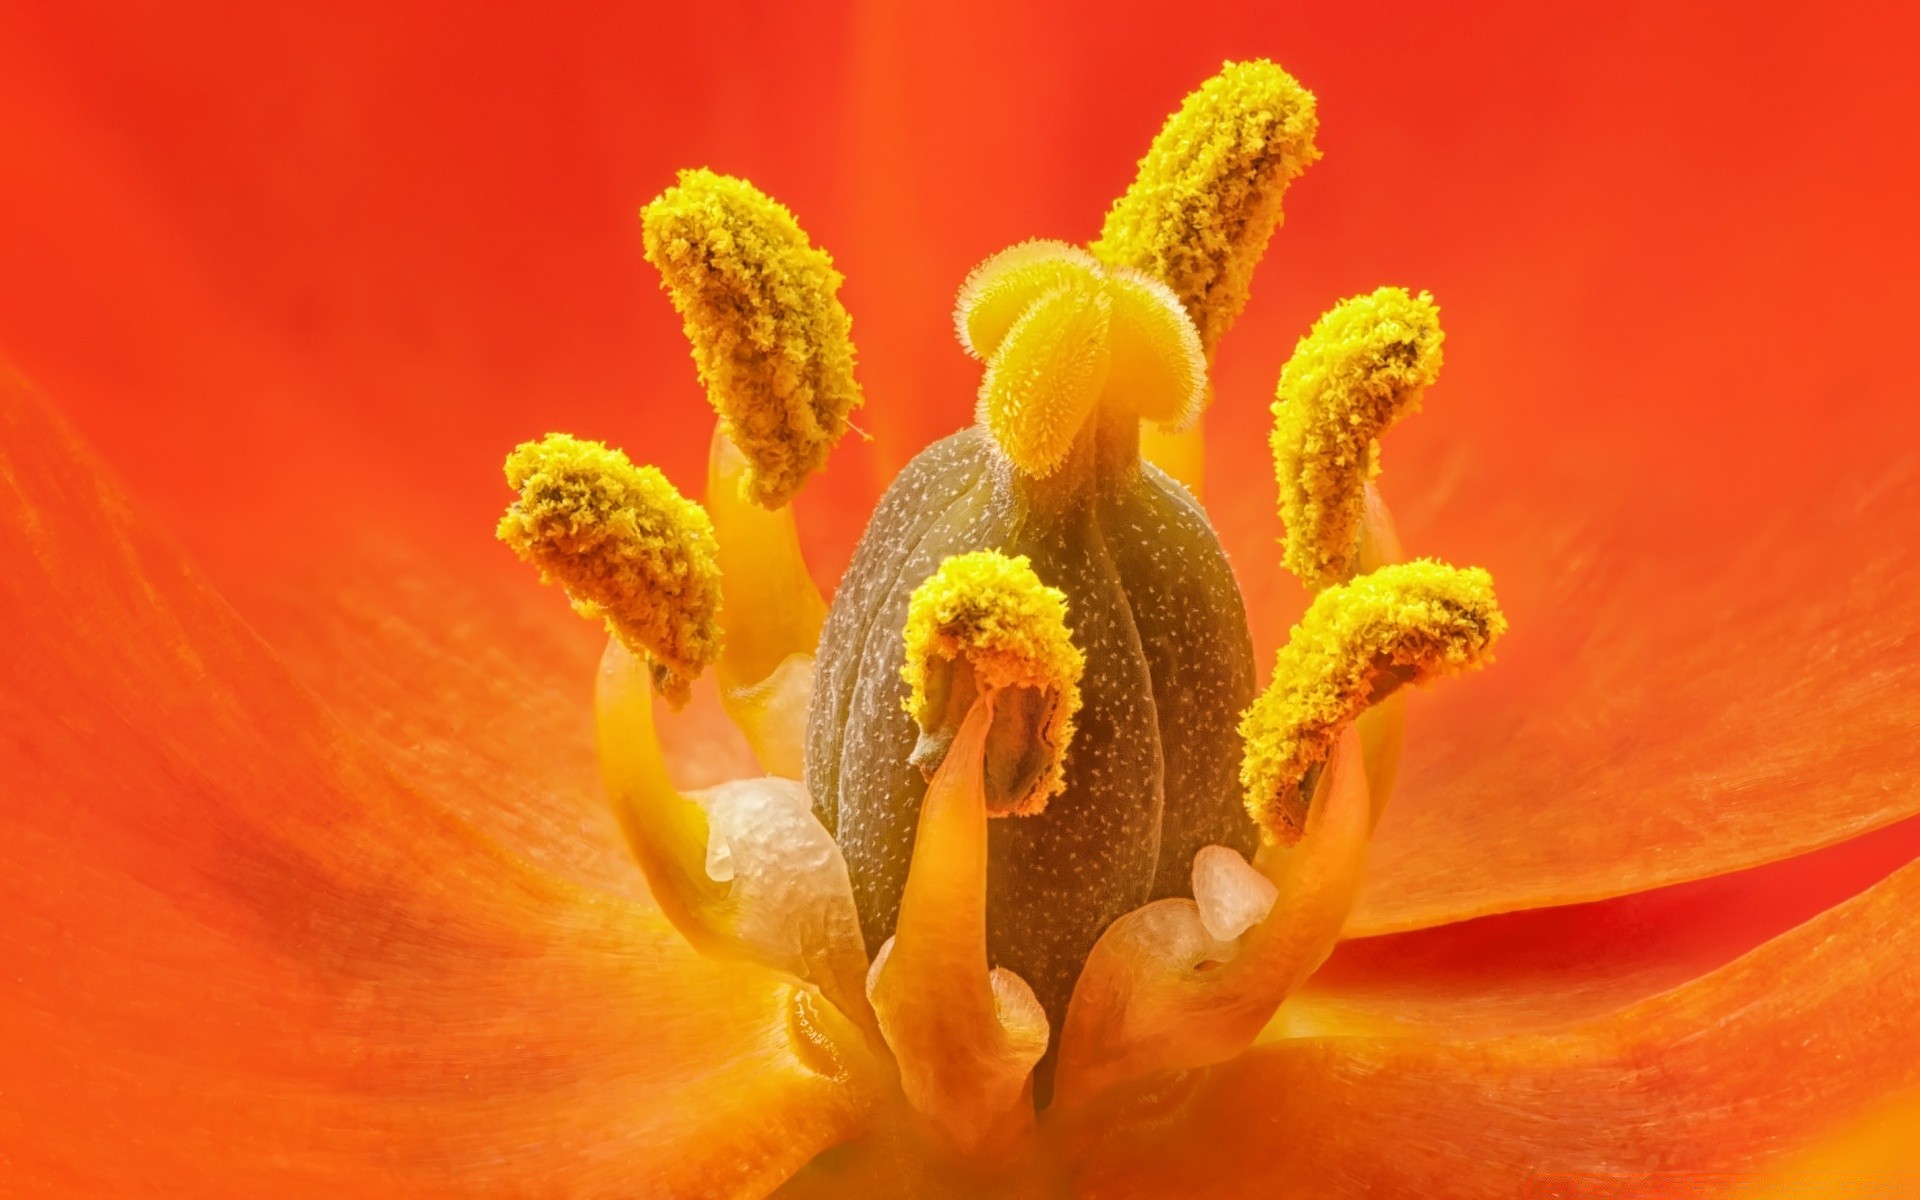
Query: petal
{"points": [[1553, 968], [1720, 1075], [246, 957]]}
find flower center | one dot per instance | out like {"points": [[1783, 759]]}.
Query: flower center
{"points": [[1027, 832]]}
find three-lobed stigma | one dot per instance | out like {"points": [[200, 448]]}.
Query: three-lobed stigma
{"points": [[1037, 622], [1409, 623], [1063, 336], [627, 548]]}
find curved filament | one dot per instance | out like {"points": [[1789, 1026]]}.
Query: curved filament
{"points": [[1162, 993], [743, 870], [966, 1037], [770, 615]]}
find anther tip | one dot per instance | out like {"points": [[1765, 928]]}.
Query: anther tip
{"points": [[761, 310], [627, 548], [1365, 364], [984, 625], [1409, 623]]}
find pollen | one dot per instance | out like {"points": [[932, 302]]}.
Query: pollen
{"points": [[1047, 374], [627, 548], [1363, 366], [761, 308], [992, 613], [1207, 197], [1409, 623]]}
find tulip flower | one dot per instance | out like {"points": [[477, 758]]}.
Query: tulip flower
{"points": [[340, 857]]}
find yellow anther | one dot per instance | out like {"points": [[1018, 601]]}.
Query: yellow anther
{"points": [[990, 614], [1159, 370], [627, 547], [1404, 624], [761, 308], [1362, 367], [1001, 289], [1207, 197], [1046, 375]]}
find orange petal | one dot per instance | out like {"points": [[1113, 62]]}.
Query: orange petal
{"points": [[1553, 968], [1698, 710], [1720, 1075], [245, 957]]}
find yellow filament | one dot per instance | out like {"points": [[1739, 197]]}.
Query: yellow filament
{"points": [[993, 613], [1403, 624], [1363, 366], [1160, 993], [1207, 197], [666, 831], [966, 1037], [761, 308], [1045, 377], [627, 548]]}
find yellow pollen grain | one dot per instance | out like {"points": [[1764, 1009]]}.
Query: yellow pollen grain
{"points": [[761, 308], [627, 548], [1363, 366], [992, 611], [1207, 196], [1409, 623]]}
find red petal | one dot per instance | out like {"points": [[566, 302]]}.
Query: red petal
{"points": [[246, 958], [1718, 1076]]}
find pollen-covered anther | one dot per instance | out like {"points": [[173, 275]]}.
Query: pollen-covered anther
{"points": [[1208, 194], [1405, 624], [1363, 366], [761, 308], [627, 548], [984, 627]]}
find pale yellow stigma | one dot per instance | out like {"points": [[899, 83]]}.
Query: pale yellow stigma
{"points": [[1362, 367], [1404, 624], [1046, 376], [1062, 334], [761, 308], [627, 547], [1207, 197], [990, 614]]}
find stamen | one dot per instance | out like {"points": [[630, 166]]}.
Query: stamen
{"points": [[743, 870], [1207, 197], [1358, 643], [771, 617], [761, 308], [627, 547], [966, 1037], [1162, 992], [1364, 365], [984, 624]]}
